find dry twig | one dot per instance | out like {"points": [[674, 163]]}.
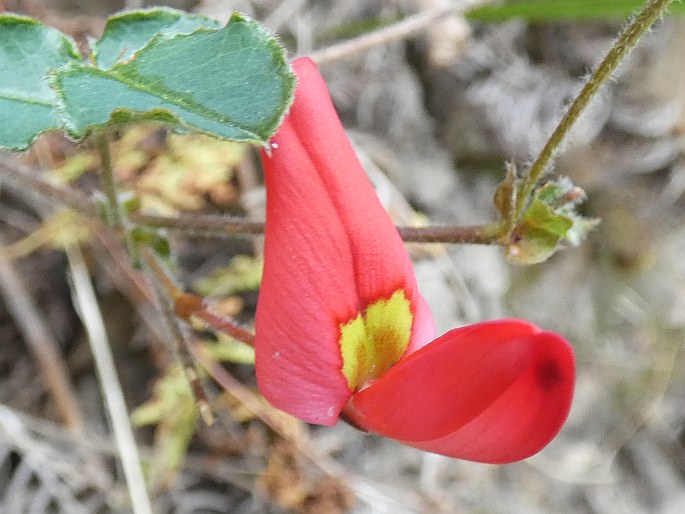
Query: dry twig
{"points": [[87, 307], [42, 344], [397, 31]]}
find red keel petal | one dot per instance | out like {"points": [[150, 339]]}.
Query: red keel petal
{"points": [[492, 392], [525, 418]]}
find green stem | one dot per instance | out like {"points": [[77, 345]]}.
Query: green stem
{"points": [[624, 44], [115, 218]]}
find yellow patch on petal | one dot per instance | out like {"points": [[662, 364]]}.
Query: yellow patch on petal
{"points": [[376, 339]]}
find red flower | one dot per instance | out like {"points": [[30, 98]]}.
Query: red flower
{"points": [[341, 328]]}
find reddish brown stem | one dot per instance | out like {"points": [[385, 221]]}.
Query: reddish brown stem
{"points": [[225, 325], [165, 292], [187, 306], [26, 180], [222, 226], [23, 178]]}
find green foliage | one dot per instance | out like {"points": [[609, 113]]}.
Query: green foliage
{"points": [[561, 10], [28, 50], [164, 65], [172, 409], [128, 32], [207, 81], [154, 240]]}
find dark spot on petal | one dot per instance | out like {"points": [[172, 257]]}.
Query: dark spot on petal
{"points": [[548, 374]]}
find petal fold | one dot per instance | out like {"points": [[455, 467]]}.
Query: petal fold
{"points": [[494, 392]]}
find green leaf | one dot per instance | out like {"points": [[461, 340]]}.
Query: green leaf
{"points": [[543, 217], [535, 246], [560, 193], [28, 50], [157, 242], [233, 82], [558, 10], [128, 32]]}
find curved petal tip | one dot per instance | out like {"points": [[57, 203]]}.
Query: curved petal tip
{"points": [[493, 392]]}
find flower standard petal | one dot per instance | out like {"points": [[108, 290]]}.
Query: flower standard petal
{"points": [[492, 392], [381, 263], [308, 287], [331, 252]]}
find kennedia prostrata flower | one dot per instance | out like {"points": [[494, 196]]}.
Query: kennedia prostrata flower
{"points": [[342, 331]]}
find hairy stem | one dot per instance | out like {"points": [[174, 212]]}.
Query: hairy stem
{"points": [[22, 178], [226, 325], [624, 44], [187, 306], [209, 225], [115, 216], [475, 234]]}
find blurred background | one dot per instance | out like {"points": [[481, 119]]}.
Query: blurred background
{"points": [[434, 118]]}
